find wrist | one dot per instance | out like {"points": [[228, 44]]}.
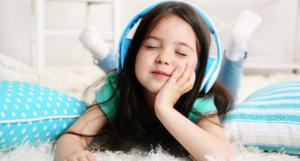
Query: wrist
{"points": [[160, 109]]}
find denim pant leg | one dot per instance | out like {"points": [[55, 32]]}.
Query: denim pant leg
{"points": [[108, 63], [231, 73]]}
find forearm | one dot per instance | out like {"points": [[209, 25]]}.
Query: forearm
{"points": [[66, 145], [194, 139]]}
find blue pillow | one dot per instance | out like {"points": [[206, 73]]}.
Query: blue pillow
{"points": [[30, 112], [268, 119]]}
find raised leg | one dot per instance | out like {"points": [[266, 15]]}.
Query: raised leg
{"points": [[232, 65], [104, 56]]}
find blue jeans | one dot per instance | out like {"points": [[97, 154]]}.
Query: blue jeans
{"points": [[109, 62], [230, 74]]}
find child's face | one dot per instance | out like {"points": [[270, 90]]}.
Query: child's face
{"points": [[172, 43]]}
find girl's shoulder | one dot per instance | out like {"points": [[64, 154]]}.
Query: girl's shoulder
{"points": [[112, 75], [108, 89], [204, 101], [107, 96], [202, 105], [111, 79]]}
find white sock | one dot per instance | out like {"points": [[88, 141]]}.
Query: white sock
{"points": [[247, 22], [90, 38]]}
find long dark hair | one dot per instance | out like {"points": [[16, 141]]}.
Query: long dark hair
{"points": [[131, 102]]}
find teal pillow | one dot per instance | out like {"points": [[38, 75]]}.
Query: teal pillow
{"points": [[30, 112], [268, 119]]}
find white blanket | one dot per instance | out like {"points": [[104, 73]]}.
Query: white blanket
{"points": [[44, 152]]}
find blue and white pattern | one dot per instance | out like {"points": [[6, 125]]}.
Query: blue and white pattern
{"points": [[268, 119], [29, 112]]}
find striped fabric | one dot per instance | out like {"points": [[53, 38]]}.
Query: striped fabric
{"points": [[268, 119]]}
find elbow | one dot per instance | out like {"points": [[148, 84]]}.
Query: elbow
{"points": [[225, 155], [230, 156], [230, 153]]}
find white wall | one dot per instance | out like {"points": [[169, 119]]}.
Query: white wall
{"points": [[273, 41], [15, 31]]}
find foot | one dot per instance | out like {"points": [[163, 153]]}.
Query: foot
{"points": [[90, 38], [247, 22]]}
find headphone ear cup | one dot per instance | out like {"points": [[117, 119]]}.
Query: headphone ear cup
{"points": [[211, 64], [125, 46]]}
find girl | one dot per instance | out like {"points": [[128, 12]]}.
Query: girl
{"points": [[156, 99]]}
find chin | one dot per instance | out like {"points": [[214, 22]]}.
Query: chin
{"points": [[155, 89]]}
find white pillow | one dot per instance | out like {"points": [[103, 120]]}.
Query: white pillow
{"points": [[13, 70], [268, 119]]}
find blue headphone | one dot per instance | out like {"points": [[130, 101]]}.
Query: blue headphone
{"points": [[213, 65]]}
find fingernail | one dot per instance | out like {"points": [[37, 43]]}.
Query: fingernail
{"points": [[190, 64]]}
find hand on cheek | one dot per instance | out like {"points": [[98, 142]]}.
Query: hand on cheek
{"points": [[180, 82]]}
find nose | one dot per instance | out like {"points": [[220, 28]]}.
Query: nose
{"points": [[163, 58]]}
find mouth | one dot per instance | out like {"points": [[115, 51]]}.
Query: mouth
{"points": [[160, 74]]}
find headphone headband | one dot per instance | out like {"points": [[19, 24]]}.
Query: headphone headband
{"points": [[213, 65]]}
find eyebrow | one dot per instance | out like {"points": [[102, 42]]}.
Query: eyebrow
{"points": [[153, 37], [181, 43]]}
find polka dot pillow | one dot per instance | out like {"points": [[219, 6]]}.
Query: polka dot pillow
{"points": [[268, 119], [29, 112]]}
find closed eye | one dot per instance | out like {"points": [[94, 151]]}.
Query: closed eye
{"points": [[182, 54], [151, 47]]}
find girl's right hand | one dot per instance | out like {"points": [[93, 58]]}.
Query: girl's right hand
{"points": [[82, 155]]}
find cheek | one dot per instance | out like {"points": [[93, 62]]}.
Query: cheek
{"points": [[137, 64], [194, 62], [140, 57], [140, 64], [183, 64]]}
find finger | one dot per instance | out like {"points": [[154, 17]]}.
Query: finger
{"points": [[190, 82], [81, 158], [71, 159], [182, 71], [192, 75], [175, 75], [186, 74], [90, 157]]}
